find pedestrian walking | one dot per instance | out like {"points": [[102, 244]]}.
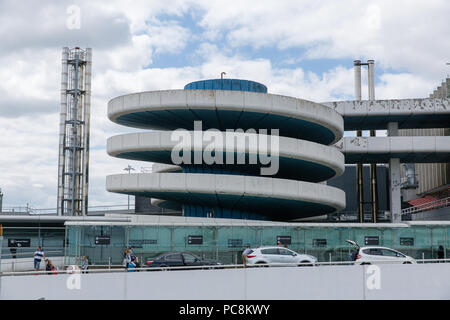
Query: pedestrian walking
{"points": [[127, 257], [84, 264], [38, 256], [440, 252], [246, 252]]}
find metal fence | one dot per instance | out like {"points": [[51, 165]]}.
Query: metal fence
{"points": [[436, 204], [71, 269]]}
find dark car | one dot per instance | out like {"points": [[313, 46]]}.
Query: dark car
{"points": [[178, 259]]}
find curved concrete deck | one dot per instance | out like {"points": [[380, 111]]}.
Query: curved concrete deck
{"points": [[298, 159], [278, 199], [220, 109]]}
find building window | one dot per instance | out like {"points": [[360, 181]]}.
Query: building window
{"points": [[235, 243], [319, 243], [284, 239], [406, 241]]}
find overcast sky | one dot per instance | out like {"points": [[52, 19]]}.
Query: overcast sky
{"points": [[299, 48]]}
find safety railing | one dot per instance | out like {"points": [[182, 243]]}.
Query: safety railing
{"points": [[121, 269], [24, 261], [30, 254], [436, 204], [29, 210]]}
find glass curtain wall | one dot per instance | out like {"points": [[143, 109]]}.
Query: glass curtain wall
{"points": [[226, 243]]}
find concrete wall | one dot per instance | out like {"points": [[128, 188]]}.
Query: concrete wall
{"points": [[429, 281], [441, 214], [431, 176]]}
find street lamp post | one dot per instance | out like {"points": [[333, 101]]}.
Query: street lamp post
{"points": [[129, 168]]}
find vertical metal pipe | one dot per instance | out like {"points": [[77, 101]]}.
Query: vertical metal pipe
{"points": [[62, 131], [373, 166], [371, 78], [74, 135], [357, 69], [87, 121], [359, 166]]}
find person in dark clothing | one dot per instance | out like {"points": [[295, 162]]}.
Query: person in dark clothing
{"points": [[353, 255], [440, 253], [50, 267], [13, 252], [133, 257]]}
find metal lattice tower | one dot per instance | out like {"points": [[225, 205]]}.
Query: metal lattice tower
{"points": [[73, 165]]}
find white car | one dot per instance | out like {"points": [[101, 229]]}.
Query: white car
{"points": [[376, 254], [276, 255]]}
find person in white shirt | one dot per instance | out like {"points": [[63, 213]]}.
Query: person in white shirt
{"points": [[38, 256], [245, 253]]}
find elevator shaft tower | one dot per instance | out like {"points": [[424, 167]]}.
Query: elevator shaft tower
{"points": [[73, 163]]}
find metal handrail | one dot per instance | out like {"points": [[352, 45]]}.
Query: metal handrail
{"points": [[52, 211], [435, 204], [28, 254], [120, 268]]}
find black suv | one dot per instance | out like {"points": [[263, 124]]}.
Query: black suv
{"points": [[178, 259]]}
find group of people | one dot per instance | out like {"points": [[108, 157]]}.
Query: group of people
{"points": [[39, 255], [130, 260]]}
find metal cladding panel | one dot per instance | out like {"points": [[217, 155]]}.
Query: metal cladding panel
{"points": [[227, 84]]}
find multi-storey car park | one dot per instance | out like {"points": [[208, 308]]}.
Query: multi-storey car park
{"points": [[227, 188], [307, 131]]}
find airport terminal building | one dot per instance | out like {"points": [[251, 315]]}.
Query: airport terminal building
{"points": [[283, 167]]}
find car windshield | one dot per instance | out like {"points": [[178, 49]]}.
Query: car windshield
{"points": [[391, 253], [270, 251], [373, 251], [173, 257], [285, 252], [189, 258]]}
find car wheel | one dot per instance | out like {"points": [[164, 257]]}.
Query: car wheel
{"points": [[163, 267], [407, 262], [365, 263], [262, 264], [305, 263]]}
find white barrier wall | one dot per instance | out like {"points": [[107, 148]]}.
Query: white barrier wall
{"points": [[27, 264], [421, 281]]}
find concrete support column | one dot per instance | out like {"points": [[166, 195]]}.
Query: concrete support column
{"points": [[394, 180], [373, 166]]}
